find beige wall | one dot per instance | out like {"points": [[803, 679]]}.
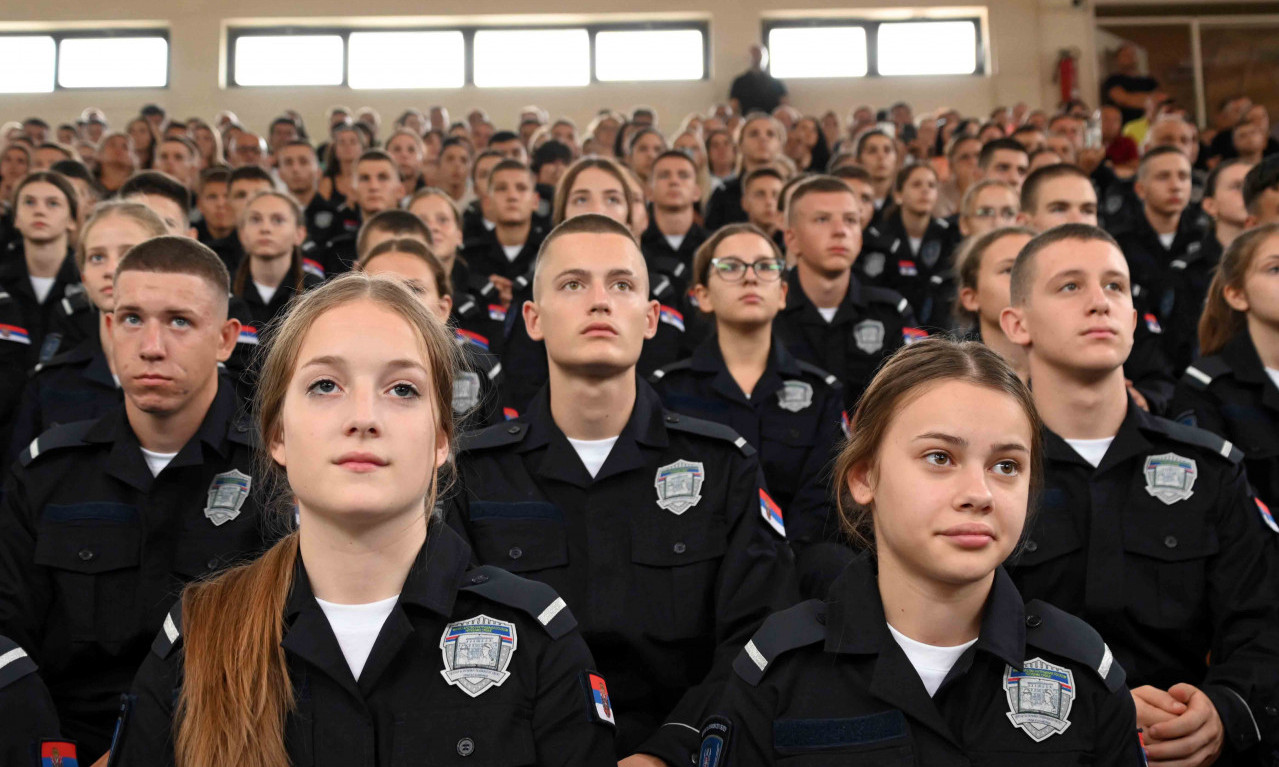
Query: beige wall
{"points": [[1024, 36]]}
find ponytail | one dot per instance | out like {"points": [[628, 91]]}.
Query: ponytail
{"points": [[1220, 322]]}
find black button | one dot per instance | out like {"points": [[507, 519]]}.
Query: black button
{"points": [[1171, 542], [213, 564], [479, 579], [1034, 621], [512, 430], [515, 553], [86, 555], [1032, 546], [679, 547], [465, 747]]}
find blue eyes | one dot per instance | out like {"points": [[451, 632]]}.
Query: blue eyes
{"points": [[328, 386]]}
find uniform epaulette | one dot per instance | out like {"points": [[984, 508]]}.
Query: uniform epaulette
{"points": [[661, 373], [828, 378], [75, 300], [1197, 437], [887, 296], [1204, 371], [170, 635], [710, 429], [58, 360], [65, 435], [14, 662], [497, 435], [243, 432], [533, 597], [1061, 633], [943, 223], [790, 629]]}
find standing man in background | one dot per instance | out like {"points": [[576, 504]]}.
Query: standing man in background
{"points": [[756, 90]]}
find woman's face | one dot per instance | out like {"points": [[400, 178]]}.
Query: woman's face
{"points": [[689, 143], [207, 144], [606, 132], [419, 277], [359, 434], [14, 164], [407, 154], [117, 150], [743, 299], [347, 146], [270, 228], [42, 213], [990, 297], [597, 191], [761, 141], [438, 216], [140, 132], [721, 152], [104, 246], [950, 484], [806, 130], [919, 194], [644, 152], [1260, 294]]}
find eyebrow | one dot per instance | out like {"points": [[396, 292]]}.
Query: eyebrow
{"points": [[175, 310], [339, 362], [586, 273], [951, 439]]}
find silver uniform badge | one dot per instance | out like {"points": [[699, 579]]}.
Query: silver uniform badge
{"points": [[794, 396], [323, 219], [679, 485], [477, 652], [869, 335], [1170, 477], [466, 391], [1039, 698], [873, 264], [227, 493]]}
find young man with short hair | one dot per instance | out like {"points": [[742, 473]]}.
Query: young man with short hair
{"points": [[179, 157], [498, 262], [1004, 159], [477, 221], [299, 169], [1148, 529], [375, 188], [508, 146], [761, 193], [165, 195], [1261, 193], [673, 235], [216, 227]]}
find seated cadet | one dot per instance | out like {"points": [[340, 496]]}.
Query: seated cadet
{"points": [[877, 153], [642, 149], [1148, 529], [165, 196], [407, 149], [1162, 245], [103, 520], [919, 247], [477, 383], [1261, 193], [179, 157], [1064, 194], [243, 184], [981, 272], [655, 527], [477, 219], [1233, 390], [509, 253], [216, 228], [924, 652], [831, 320], [790, 411], [299, 169], [38, 270], [375, 187], [761, 195], [272, 230], [79, 384], [1004, 159], [988, 205], [673, 235], [30, 735], [760, 141], [869, 266], [592, 185], [327, 649], [455, 169], [1223, 204]]}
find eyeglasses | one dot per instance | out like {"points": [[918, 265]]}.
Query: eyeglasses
{"points": [[1007, 214], [734, 269]]}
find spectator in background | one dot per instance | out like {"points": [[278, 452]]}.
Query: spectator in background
{"points": [[1126, 88], [756, 90]]}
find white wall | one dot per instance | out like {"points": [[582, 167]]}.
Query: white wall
{"points": [[1024, 38]]}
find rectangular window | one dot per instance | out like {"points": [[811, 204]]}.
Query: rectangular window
{"points": [[927, 48], [288, 60], [406, 60], [27, 64], [651, 54], [523, 58], [113, 62], [826, 51]]}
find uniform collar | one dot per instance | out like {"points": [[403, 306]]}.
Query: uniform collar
{"points": [[97, 370], [797, 299], [708, 359], [1129, 441]]}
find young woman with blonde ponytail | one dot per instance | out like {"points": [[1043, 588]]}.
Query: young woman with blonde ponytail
{"points": [[364, 636]]}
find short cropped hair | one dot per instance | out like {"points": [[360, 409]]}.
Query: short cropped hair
{"points": [[377, 155], [171, 254], [508, 164], [1210, 184], [765, 172], [159, 184], [994, 145], [218, 174], [1023, 273], [392, 221], [1263, 176], [678, 153], [1143, 168], [250, 173], [1030, 187], [816, 185], [587, 223]]}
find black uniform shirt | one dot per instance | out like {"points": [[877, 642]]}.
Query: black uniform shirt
{"points": [[725, 205], [825, 683], [263, 312], [93, 549], [411, 706], [925, 278], [37, 317], [665, 555], [868, 326], [1230, 395], [477, 385], [486, 256], [30, 720], [1163, 550]]}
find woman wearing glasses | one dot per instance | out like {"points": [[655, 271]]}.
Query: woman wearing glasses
{"points": [[743, 377]]}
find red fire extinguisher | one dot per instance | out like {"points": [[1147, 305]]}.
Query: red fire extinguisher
{"points": [[1066, 74]]}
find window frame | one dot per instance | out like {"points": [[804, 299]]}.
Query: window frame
{"points": [[871, 28], [235, 32], [59, 35]]}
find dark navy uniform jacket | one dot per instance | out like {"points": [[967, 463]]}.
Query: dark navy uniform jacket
{"points": [[403, 710], [93, 549], [30, 720], [477, 385], [667, 556], [37, 318], [926, 278], [1230, 395], [1163, 549], [262, 312], [825, 683]]}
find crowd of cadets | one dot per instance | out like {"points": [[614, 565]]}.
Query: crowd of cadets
{"points": [[787, 257]]}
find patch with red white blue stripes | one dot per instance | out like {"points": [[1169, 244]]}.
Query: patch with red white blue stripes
{"points": [[1266, 516], [911, 335], [907, 268], [16, 334], [1152, 323], [496, 312], [248, 335], [471, 336], [772, 513], [58, 753], [311, 266], [510, 413], [671, 317], [599, 706]]}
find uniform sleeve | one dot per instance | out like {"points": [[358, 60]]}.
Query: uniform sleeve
{"points": [[756, 579], [812, 522], [27, 711], [1117, 743], [25, 417], [1243, 599], [748, 714], [146, 739], [1149, 369], [1196, 407], [563, 727], [25, 589]]}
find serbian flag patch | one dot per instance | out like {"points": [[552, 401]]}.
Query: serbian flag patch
{"points": [[473, 337], [911, 335], [510, 413], [772, 513], [907, 268], [1152, 323], [16, 334], [1266, 516], [58, 753], [311, 266], [845, 424], [671, 317], [600, 706], [496, 312], [248, 335]]}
